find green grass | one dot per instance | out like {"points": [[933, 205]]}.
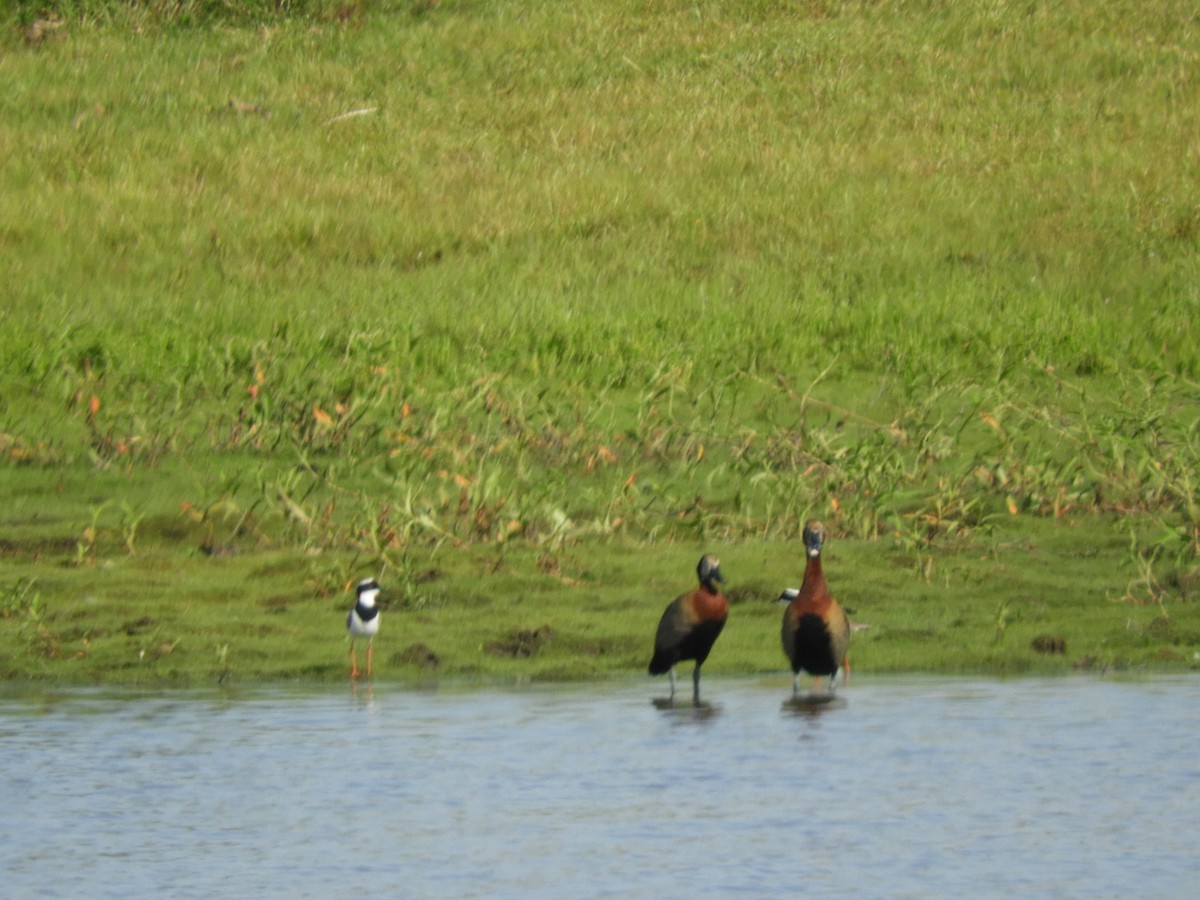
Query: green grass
{"points": [[523, 306]]}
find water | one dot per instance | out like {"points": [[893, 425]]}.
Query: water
{"points": [[914, 787]]}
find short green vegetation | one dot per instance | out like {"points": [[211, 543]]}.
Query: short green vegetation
{"points": [[520, 307]]}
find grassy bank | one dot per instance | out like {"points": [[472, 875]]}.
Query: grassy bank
{"points": [[522, 306], [1049, 597]]}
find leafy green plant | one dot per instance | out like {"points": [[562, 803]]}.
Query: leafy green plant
{"points": [[87, 543], [23, 603]]}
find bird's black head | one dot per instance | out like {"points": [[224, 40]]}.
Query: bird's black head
{"points": [[709, 570], [368, 587], [814, 538]]}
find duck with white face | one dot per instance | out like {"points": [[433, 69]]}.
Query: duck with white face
{"points": [[690, 626], [816, 630]]}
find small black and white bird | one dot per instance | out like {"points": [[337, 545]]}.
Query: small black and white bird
{"points": [[363, 622]]}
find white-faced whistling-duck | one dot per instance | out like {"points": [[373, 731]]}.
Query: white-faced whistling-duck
{"points": [[816, 632], [690, 625]]}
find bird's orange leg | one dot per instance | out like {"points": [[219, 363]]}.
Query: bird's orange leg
{"points": [[370, 655], [353, 662]]}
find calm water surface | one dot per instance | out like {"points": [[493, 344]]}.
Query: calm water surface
{"points": [[911, 788]]}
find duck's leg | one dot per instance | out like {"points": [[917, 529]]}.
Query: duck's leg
{"points": [[671, 676], [795, 684], [696, 685], [844, 671]]}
